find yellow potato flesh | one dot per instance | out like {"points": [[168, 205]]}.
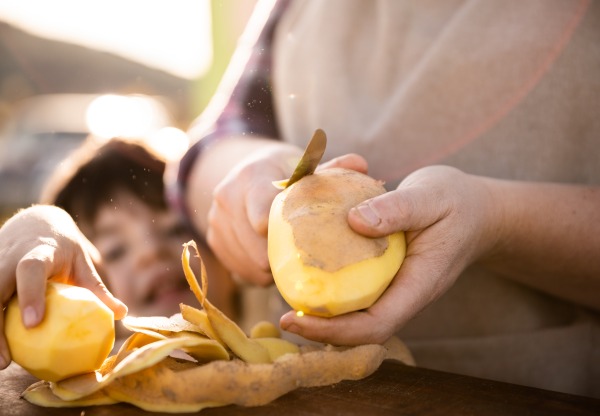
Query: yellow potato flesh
{"points": [[75, 337], [320, 266]]}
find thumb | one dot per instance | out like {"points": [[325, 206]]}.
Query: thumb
{"points": [[404, 209]]}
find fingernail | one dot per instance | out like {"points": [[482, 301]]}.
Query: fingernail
{"points": [[368, 214], [29, 317]]}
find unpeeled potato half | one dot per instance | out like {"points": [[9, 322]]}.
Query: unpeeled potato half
{"points": [[75, 336], [320, 265]]}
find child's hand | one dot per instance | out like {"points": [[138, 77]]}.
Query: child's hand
{"points": [[39, 243]]}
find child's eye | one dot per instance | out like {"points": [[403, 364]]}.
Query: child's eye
{"points": [[176, 230], [114, 254]]}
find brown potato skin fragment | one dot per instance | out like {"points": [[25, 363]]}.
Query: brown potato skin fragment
{"points": [[236, 382], [317, 208], [225, 329], [41, 394]]}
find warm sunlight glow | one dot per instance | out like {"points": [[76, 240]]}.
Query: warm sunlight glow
{"points": [[130, 116], [170, 142], [174, 36]]}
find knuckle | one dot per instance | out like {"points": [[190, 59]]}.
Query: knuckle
{"points": [[264, 279], [30, 265], [396, 210], [221, 195]]}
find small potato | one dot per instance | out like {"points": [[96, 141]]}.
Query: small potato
{"points": [[76, 335]]}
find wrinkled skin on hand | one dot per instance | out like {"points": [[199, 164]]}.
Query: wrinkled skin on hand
{"points": [[442, 210], [451, 220], [39, 243], [446, 217]]}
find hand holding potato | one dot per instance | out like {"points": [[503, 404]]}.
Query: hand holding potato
{"points": [[445, 214], [239, 213], [36, 244], [320, 265], [451, 220], [238, 216]]}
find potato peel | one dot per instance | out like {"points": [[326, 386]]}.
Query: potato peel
{"points": [[229, 367], [161, 324], [206, 350], [80, 386], [398, 351], [227, 330], [199, 318], [236, 382], [143, 390], [41, 394], [135, 341]]}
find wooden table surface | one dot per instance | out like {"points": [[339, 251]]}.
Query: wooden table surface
{"points": [[394, 389]]}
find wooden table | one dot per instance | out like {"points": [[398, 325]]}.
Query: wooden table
{"points": [[394, 389]]}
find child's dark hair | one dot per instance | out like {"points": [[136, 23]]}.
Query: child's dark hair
{"points": [[95, 173]]}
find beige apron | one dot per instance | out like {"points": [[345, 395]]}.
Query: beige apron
{"points": [[508, 89]]}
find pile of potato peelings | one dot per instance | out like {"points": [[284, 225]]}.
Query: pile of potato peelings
{"points": [[224, 365]]}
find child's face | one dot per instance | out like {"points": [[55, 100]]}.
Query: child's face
{"points": [[141, 252]]}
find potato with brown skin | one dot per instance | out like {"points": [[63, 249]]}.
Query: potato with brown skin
{"points": [[320, 265]]}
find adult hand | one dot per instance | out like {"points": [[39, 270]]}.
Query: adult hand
{"points": [[446, 215], [239, 214], [36, 244]]}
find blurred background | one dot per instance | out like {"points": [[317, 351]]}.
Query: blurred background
{"points": [[69, 68]]}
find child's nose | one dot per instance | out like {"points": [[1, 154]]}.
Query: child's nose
{"points": [[150, 249]]}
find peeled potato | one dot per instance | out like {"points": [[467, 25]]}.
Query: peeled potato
{"points": [[320, 265], [75, 337], [264, 329]]}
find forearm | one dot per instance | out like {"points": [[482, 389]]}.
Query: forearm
{"points": [[548, 237]]}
